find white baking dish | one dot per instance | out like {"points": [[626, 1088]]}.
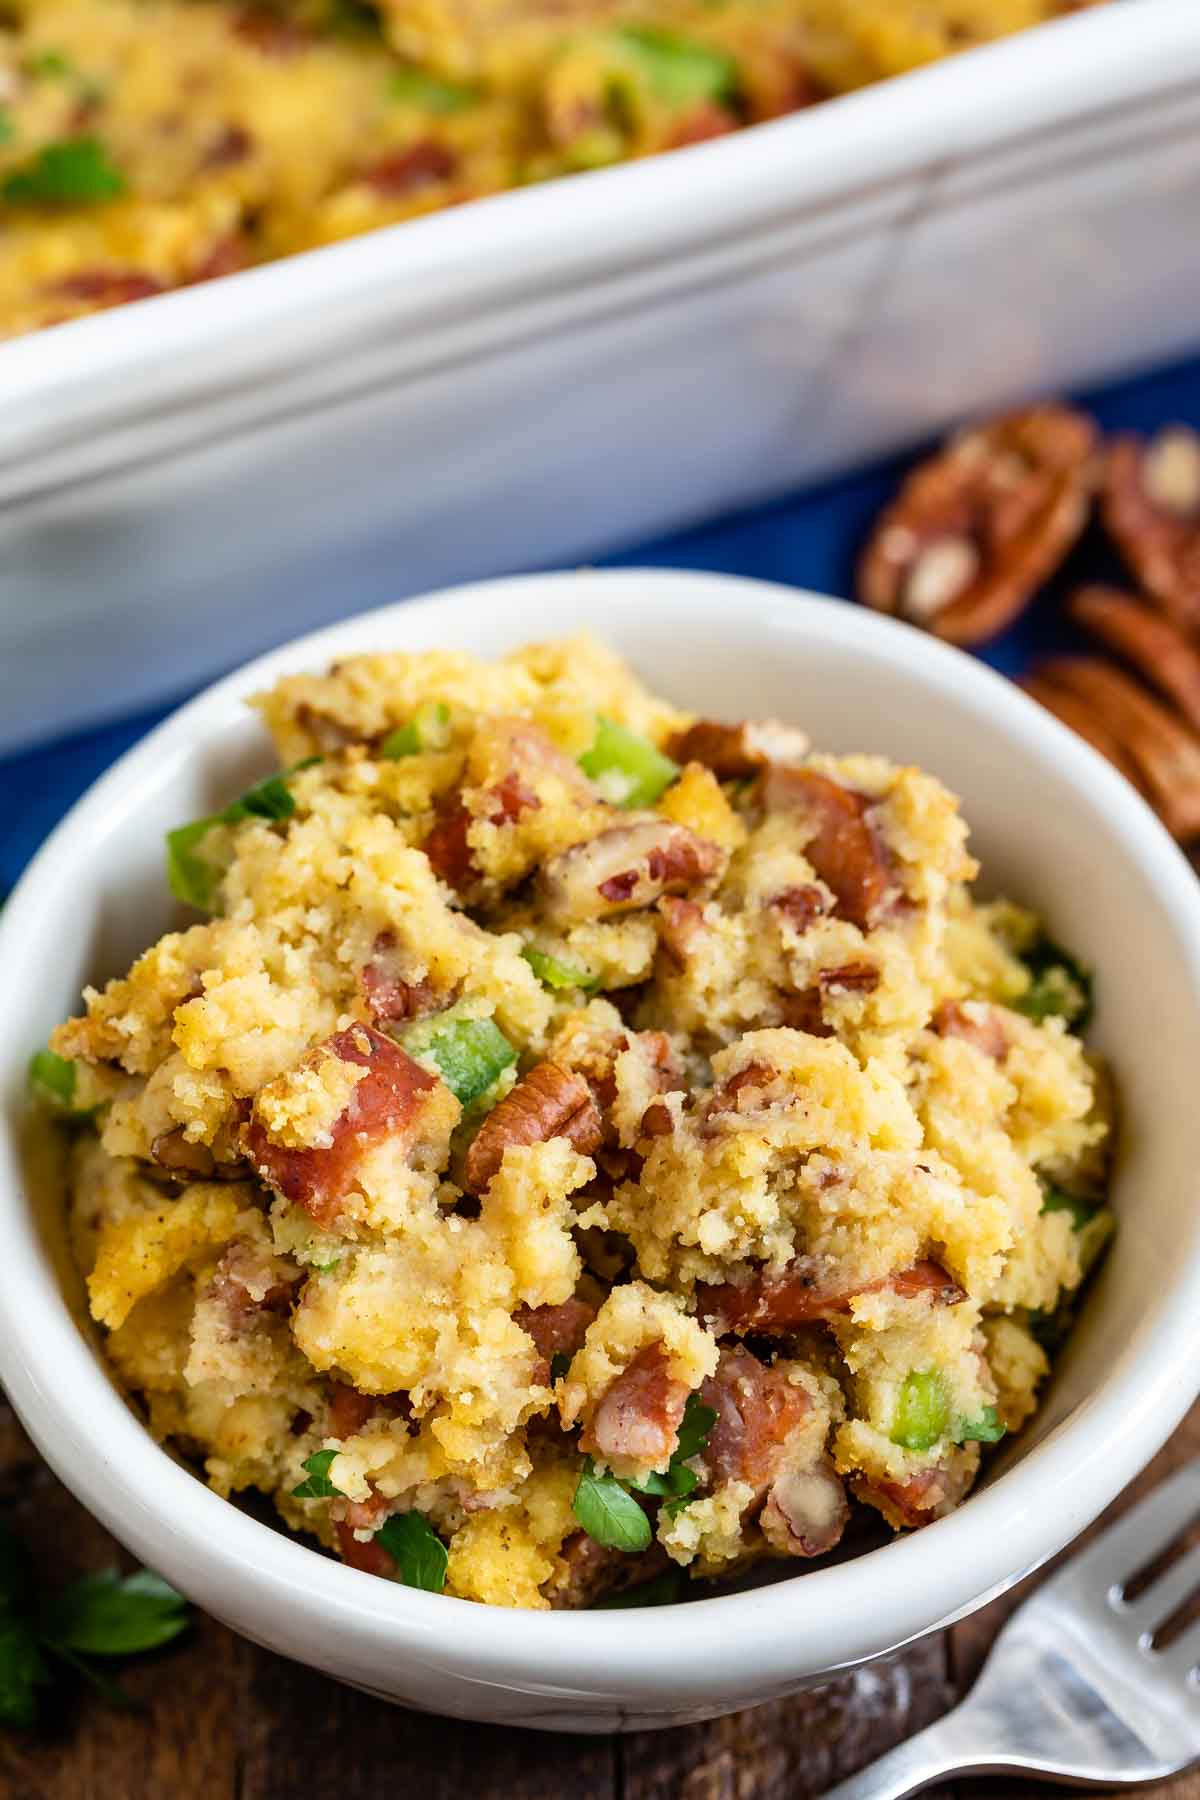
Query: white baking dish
{"points": [[558, 371]]}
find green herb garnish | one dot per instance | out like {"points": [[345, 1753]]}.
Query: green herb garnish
{"points": [[922, 1410], [1060, 987], [678, 70], [629, 770], [429, 729], [609, 1513], [417, 1550], [99, 1615], [986, 1429], [75, 172], [470, 1054], [555, 974], [414, 87], [318, 1486]]}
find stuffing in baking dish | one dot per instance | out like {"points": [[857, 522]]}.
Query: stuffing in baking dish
{"points": [[149, 144], [583, 1141]]}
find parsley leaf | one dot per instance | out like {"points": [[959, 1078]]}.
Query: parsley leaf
{"points": [[417, 1550], [74, 172], [1061, 986], [112, 1615], [22, 1669], [318, 1486], [698, 1420], [609, 1513]]}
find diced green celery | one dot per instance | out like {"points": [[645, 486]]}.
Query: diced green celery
{"points": [[988, 1428], [194, 878], [557, 974], [1060, 986], [922, 1411], [679, 70], [471, 1054], [52, 1080], [415, 87], [1058, 1200], [628, 769], [428, 729]]}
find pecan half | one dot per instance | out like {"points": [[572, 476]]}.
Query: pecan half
{"points": [[1151, 510], [389, 1102], [806, 1511], [680, 930], [983, 1027], [626, 868], [845, 847], [549, 1102], [1165, 752], [637, 1418], [976, 530], [803, 1292], [733, 751], [801, 906], [1155, 647]]}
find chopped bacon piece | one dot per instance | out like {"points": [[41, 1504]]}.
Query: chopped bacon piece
{"points": [[350, 1410], [986, 1033], [846, 849], [758, 1409], [549, 1102], [227, 256], [734, 751], [447, 847], [926, 1496], [801, 906], [555, 1330], [370, 1557], [107, 287], [627, 867], [363, 1515], [402, 172], [707, 120], [389, 1102], [588, 1569], [269, 32], [802, 1293], [388, 995], [637, 1419]]}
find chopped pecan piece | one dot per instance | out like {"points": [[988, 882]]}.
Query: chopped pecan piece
{"points": [[733, 751], [389, 1102], [172, 1151], [804, 1009], [1165, 752], [549, 1102], [845, 848], [657, 1120], [801, 906], [270, 32], [745, 1091], [627, 867], [248, 1280], [402, 172], [389, 996], [983, 1027], [976, 530], [1155, 647], [587, 1570], [555, 1330], [1151, 510], [636, 1420], [803, 1292], [806, 1510], [681, 928]]}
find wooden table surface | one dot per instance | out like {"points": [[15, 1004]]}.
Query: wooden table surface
{"points": [[228, 1721]]}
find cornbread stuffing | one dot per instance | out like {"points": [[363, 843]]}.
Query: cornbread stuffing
{"points": [[151, 144], [580, 1143]]}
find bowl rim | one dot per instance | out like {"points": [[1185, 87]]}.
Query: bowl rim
{"points": [[261, 1581]]}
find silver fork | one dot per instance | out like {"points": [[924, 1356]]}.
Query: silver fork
{"points": [[1074, 1690]]}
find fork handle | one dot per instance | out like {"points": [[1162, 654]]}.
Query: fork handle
{"points": [[937, 1751]]}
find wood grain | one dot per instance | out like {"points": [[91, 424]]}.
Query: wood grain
{"points": [[225, 1720]]}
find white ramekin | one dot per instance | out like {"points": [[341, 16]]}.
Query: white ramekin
{"points": [[1053, 825]]}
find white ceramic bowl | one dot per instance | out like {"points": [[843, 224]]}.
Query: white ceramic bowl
{"points": [[1053, 825]]}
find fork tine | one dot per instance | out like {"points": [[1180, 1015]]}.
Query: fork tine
{"points": [[1181, 1657], [1165, 1595], [1137, 1538]]}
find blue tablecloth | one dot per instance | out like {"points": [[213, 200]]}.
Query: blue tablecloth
{"points": [[809, 540]]}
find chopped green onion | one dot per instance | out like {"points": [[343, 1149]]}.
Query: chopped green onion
{"points": [[664, 1590], [49, 63], [471, 1054], [428, 729], [52, 1079], [609, 1513], [677, 69], [1056, 1200], [417, 1550], [1060, 988], [628, 770], [318, 1486], [922, 1411], [986, 1429], [555, 974], [70, 173], [192, 877], [414, 87]]}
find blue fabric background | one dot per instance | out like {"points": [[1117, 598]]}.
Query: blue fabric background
{"points": [[809, 540]]}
